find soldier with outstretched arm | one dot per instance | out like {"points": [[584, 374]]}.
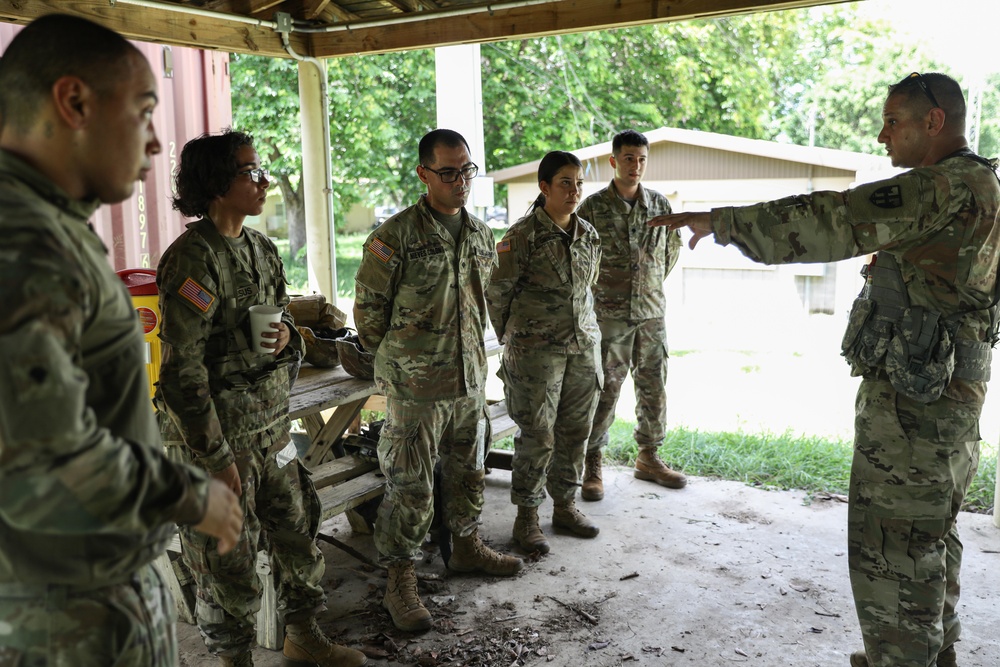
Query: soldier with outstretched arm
{"points": [[920, 335]]}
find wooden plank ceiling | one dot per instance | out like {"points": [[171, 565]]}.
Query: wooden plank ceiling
{"points": [[329, 28]]}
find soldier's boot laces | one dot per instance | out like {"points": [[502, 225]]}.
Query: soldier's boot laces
{"points": [[307, 646], [649, 467], [240, 660], [593, 483], [527, 533], [567, 517], [401, 599], [471, 555], [945, 658]]}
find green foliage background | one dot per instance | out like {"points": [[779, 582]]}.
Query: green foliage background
{"points": [[803, 75]]}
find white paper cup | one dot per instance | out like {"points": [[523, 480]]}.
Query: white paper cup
{"points": [[261, 318]]}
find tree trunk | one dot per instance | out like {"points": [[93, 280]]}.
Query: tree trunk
{"points": [[294, 215]]}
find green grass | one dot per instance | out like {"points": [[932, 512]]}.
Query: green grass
{"points": [[771, 461]]}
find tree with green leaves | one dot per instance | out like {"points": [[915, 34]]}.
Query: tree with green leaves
{"points": [[380, 106]]}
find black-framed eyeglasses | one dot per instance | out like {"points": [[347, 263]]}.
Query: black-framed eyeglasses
{"points": [[919, 79], [467, 172], [257, 174]]}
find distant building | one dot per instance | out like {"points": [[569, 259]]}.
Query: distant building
{"points": [[701, 170]]}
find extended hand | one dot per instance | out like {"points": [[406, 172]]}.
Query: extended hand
{"points": [[700, 224], [223, 517]]}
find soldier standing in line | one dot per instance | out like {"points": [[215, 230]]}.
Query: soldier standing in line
{"points": [[224, 406], [419, 308], [629, 302], [87, 498], [920, 334], [542, 308]]}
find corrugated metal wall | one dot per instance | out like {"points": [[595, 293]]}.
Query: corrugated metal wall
{"points": [[670, 161], [194, 96]]}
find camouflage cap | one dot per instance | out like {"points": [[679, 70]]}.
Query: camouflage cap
{"points": [[355, 360], [321, 346]]}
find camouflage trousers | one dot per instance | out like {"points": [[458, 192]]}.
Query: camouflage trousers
{"points": [[126, 624], [415, 436], [639, 346], [551, 397], [281, 517], [913, 464]]}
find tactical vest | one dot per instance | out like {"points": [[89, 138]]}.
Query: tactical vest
{"points": [[233, 362], [917, 348]]}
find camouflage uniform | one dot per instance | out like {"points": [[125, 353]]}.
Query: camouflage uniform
{"points": [[629, 302], [542, 308], [915, 454], [87, 498], [419, 307], [222, 403]]}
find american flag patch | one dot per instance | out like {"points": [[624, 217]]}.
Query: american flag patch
{"points": [[503, 246], [381, 250], [197, 295]]}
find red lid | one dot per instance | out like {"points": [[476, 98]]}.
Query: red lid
{"points": [[140, 282]]}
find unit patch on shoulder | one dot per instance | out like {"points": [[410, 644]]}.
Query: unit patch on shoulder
{"points": [[503, 246], [888, 196], [381, 250], [197, 295]]}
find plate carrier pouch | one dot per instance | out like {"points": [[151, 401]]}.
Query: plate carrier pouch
{"points": [[916, 347], [237, 350]]}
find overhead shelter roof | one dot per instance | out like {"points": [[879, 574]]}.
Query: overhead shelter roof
{"points": [[329, 28]]}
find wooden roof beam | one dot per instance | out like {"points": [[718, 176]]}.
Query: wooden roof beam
{"points": [[163, 26], [426, 30]]}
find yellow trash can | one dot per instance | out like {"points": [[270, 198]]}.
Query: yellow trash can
{"points": [[141, 284]]}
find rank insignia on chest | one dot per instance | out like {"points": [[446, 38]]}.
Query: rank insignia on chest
{"points": [[503, 246], [888, 196], [196, 295], [380, 250]]}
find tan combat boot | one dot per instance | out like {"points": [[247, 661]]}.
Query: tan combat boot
{"points": [[307, 646], [567, 517], [471, 555], [593, 484], [945, 658], [527, 533], [648, 466], [401, 599], [241, 660]]}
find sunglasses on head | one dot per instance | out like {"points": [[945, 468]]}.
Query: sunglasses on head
{"points": [[917, 77]]}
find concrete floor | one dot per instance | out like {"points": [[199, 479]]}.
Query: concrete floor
{"points": [[715, 574]]}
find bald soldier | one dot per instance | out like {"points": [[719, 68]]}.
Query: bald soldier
{"points": [[87, 498], [920, 334]]}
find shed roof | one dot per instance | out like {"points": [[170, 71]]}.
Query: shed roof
{"points": [[830, 158]]}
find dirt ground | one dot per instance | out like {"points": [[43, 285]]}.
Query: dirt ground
{"points": [[716, 574]]}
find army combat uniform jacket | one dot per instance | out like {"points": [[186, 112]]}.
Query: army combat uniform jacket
{"points": [[540, 296], [636, 258], [419, 305], [938, 223], [217, 394], [86, 495]]}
